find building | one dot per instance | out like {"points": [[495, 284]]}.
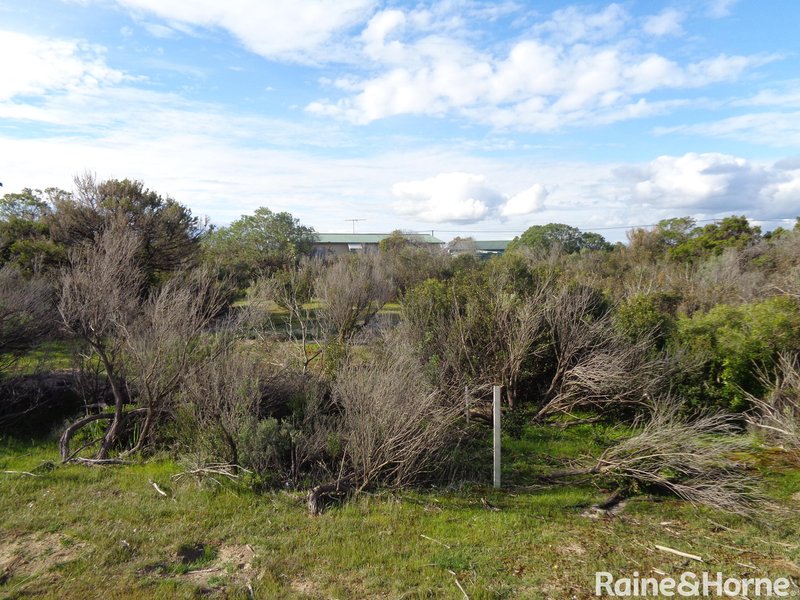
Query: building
{"points": [[483, 248], [327, 244]]}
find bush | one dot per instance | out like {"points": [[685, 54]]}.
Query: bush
{"points": [[732, 344]]}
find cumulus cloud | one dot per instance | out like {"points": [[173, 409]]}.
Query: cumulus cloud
{"points": [[713, 183], [526, 202], [447, 197], [463, 198], [35, 66], [565, 72], [288, 30]]}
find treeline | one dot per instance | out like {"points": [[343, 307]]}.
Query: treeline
{"points": [[235, 347]]}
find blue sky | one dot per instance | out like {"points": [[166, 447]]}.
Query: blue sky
{"points": [[457, 116]]}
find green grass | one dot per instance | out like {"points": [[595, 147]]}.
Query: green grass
{"points": [[106, 532], [53, 355]]}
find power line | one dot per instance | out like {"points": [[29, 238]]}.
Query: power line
{"points": [[606, 228]]}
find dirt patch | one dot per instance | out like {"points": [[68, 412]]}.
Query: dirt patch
{"points": [[306, 587], [31, 554], [232, 563]]}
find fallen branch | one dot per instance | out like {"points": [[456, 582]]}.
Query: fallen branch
{"points": [[434, 541], [455, 578], [101, 461], [231, 471], [678, 553], [29, 474], [158, 489]]}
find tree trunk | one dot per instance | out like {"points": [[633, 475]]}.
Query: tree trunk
{"points": [[69, 432], [326, 494]]}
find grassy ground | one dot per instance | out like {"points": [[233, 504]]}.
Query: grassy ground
{"points": [[53, 355], [81, 532]]}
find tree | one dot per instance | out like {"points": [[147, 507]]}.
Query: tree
{"points": [[167, 232], [99, 293], [25, 233], [570, 240], [259, 244], [147, 343], [710, 240]]}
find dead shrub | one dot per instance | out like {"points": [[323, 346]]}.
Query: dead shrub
{"points": [[393, 423], [692, 459], [777, 415]]}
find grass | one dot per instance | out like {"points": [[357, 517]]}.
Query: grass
{"points": [[54, 355], [76, 532]]}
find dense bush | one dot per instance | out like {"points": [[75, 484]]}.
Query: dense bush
{"points": [[732, 345]]}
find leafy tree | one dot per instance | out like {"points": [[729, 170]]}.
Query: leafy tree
{"points": [[169, 235], [24, 231], [711, 240], [675, 231], [569, 239], [259, 244]]}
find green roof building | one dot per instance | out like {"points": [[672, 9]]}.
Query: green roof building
{"points": [[327, 244]]}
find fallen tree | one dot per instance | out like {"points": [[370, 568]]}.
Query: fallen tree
{"points": [[690, 459]]}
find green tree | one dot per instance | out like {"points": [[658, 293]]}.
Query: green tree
{"points": [[710, 240], [259, 244], [25, 239], [569, 239], [169, 235]]}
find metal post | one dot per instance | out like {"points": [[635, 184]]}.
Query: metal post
{"points": [[496, 445]]}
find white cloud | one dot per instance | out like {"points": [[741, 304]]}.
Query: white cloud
{"points": [[779, 129], [526, 202], [573, 24], [713, 183], [719, 9], [459, 197], [447, 197], [274, 29], [34, 66], [667, 22], [563, 74]]}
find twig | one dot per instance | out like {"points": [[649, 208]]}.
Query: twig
{"points": [[158, 489], [678, 553], [101, 461], [210, 570], [29, 474], [455, 578], [434, 541]]}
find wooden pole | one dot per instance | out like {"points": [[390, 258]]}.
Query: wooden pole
{"points": [[496, 413]]}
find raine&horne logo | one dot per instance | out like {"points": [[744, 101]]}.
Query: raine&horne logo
{"points": [[691, 585]]}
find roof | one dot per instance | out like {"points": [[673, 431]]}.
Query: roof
{"points": [[371, 238], [491, 245], [470, 245]]}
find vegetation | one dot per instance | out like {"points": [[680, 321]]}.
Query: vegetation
{"points": [[654, 382]]}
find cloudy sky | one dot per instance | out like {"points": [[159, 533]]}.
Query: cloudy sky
{"points": [[458, 116]]}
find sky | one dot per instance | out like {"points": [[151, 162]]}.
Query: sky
{"points": [[458, 117]]}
